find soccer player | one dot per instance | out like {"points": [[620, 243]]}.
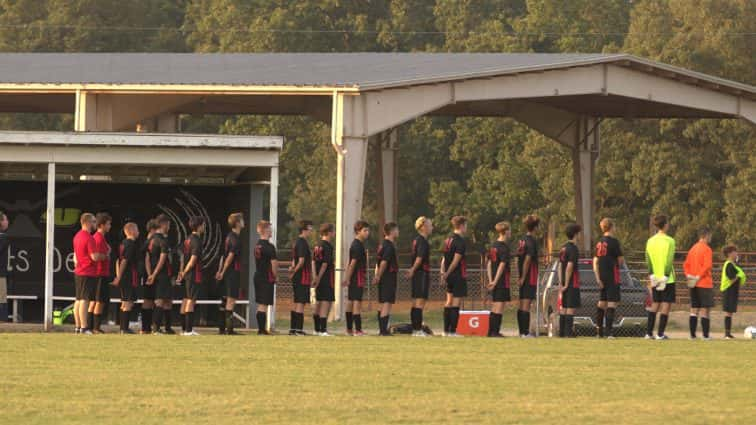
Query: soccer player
{"points": [[732, 278], [266, 273], [324, 278], [527, 265], [606, 268], [356, 276], [160, 275], [301, 277], [454, 274], [498, 277], [148, 289], [127, 274], [569, 278], [386, 269], [660, 253], [230, 272], [85, 272], [103, 222], [698, 265], [419, 273], [193, 271]]}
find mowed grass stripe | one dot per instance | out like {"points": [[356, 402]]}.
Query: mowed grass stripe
{"points": [[250, 379]]}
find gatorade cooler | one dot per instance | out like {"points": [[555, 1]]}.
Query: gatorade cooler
{"points": [[473, 322]]}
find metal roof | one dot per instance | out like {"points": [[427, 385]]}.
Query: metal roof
{"points": [[362, 71]]}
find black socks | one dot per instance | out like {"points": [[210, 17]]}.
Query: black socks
{"points": [[728, 325], [183, 321], [146, 319], [229, 321], [90, 321], [350, 320], [610, 321], [651, 323], [383, 322], [494, 324], [222, 319], [662, 323], [705, 326], [189, 317], [323, 324], [97, 321], [357, 322], [262, 322], [566, 323], [600, 321], [293, 321], [453, 319], [447, 319], [167, 316], [693, 325], [523, 321], [158, 318], [124, 321], [416, 316], [316, 323]]}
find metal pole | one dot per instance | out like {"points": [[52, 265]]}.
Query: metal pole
{"points": [[274, 229], [49, 246]]}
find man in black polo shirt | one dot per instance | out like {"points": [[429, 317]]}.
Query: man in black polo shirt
{"points": [[193, 272], [159, 269], [301, 277], [356, 277], [386, 269], [419, 273], [127, 275], [454, 274], [569, 279], [527, 265], [266, 274], [606, 267], [230, 273], [498, 277], [324, 278]]}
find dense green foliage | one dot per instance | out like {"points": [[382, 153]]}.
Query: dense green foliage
{"points": [[698, 171]]}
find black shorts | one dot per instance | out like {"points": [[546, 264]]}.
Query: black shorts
{"points": [[148, 291], [665, 296], [420, 284], [301, 293], [163, 288], [701, 297], [264, 291], [231, 284], [527, 292], [730, 299], [103, 289], [192, 290], [457, 287], [610, 293], [571, 298], [355, 292], [501, 294], [86, 288], [387, 292], [128, 292], [325, 292]]}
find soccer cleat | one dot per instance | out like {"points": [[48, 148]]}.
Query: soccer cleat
{"points": [[99, 331], [527, 336], [359, 333], [692, 338], [86, 332], [263, 332], [706, 338], [419, 334], [729, 336], [496, 335], [662, 337], [350, 332], [648, 337], [127, 332], [324, 334], [77, 330], [231, 333], [610, 337], [170, 331], [158, 332], [292, 332], [301, 333]]}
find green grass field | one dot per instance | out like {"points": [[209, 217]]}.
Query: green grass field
{"points": [[62, 378]]}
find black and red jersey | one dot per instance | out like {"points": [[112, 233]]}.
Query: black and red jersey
{"points": [[158, 245], [193, 248], [421, 249], [323, 254], [387, 253], [528, 247], [232, 245], [129, 251], [570, 254], [608, 251], [499, 254], [453, 245], [358, 253], [301, 250], [265, 253]]}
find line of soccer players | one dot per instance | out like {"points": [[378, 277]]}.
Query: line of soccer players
{"points": [[149, 266]]}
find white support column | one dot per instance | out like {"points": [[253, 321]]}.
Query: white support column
{"points": [[274, 227], [49, 246], [584, 156], [388, 173]]}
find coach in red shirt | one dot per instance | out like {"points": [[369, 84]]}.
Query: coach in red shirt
{"points": [[85, 273]]}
